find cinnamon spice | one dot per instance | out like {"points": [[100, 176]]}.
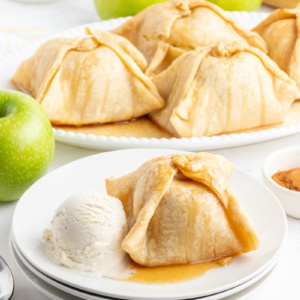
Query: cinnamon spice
{"points": [[289, 179]]}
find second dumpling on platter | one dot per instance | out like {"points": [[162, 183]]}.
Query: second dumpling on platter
{"points": [[164, 31], [222, 89], [91, 80]]}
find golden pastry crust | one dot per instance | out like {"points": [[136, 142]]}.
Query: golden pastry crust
{"points": [[164, 31], [181, 209], [281, 31], [222, 89], [89, 80]]}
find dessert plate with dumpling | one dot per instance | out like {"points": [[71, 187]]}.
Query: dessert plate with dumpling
{"points": [[150, 224], [165, 78]]}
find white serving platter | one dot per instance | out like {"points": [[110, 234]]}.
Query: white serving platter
{"points": [[10, 61]]}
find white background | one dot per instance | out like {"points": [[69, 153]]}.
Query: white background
{"points": [[62, 14]]}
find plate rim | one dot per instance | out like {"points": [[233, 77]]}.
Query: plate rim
{"points": [[158, 152], [60, 286]]}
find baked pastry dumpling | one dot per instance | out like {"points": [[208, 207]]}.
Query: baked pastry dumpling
{"points": [[89, 80], [164, 31], [281, 31], [181, 209], [220, 89]]}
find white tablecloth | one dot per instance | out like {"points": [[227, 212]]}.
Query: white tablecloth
{"points": [[21, 22]]}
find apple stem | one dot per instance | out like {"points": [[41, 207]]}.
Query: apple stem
{"points": [[6, 109]]}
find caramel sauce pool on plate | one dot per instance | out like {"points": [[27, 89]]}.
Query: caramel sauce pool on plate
{"points": [[174, 274], [144, 128]]}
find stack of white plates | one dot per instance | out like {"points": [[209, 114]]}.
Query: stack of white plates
{"points": [[36, 208]]}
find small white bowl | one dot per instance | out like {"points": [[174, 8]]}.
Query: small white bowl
{"points": [[282, 160]]}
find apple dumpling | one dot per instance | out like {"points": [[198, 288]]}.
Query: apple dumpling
{"points": [[91, 80], [281, 32], [181, 209], [222, 89], [164, 31]]}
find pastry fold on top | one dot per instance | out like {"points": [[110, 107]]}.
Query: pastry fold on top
{"points": [[89, 80], [182, 209], [281, 31], [220, 89], [164, 31]]}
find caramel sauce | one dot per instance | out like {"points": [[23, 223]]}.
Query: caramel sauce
{"points": [[139, 128], [144, 127], [176, 273]]}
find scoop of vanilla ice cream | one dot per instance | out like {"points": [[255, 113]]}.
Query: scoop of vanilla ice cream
{"points": [[87, 232]]}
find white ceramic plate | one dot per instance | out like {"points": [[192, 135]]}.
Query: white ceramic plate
{"points": [[39, 280], [42, 286], [10, 61], [35, 210]]}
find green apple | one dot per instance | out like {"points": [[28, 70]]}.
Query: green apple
{"points": [[26, 143], [108, 9], [238, 5]]}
